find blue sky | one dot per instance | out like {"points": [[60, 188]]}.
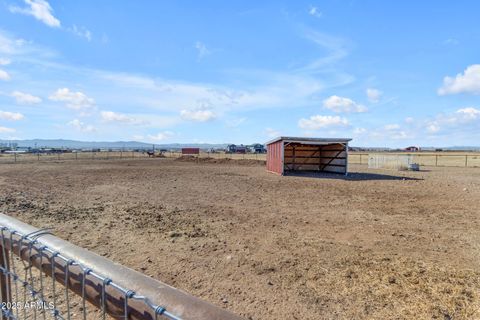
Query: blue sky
{"points": [[384, 73]]}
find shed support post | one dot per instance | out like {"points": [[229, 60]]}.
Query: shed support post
{"points": [[346, 159]]}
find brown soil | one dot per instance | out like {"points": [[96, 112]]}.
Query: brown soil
{"points": [[376, 245], [248, 162]]}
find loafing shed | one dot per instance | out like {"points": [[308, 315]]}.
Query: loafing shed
{"points": [[290, 154]]}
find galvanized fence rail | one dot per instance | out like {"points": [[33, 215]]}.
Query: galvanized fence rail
{"points": [[45, 277]]}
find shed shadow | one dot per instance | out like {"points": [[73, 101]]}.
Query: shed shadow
{"points": [[352, 176]]}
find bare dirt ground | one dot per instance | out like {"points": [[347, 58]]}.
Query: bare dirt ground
{"points": [[377, 245]]}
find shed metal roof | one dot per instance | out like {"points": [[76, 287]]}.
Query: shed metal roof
{"points": [[307, 140]]}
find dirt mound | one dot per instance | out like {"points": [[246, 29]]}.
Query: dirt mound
{"points": [[247, 162]]}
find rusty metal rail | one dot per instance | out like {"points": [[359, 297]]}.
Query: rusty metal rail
{"points": [[111, 290]]}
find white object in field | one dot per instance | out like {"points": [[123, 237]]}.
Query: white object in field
{"points": [[390, 161], [414, 167]]}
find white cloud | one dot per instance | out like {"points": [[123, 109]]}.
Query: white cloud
{"points": [[138, 137], [315, 12], [463, 120], [469, 113], [4, 75], [272, 133], [4, 61], [373, 95], [433, 128], [202, 49], [391, 131], [11, 116], [198, 115], [319, 122], [392, 126], [235, 122], [340, 104], [359, 131], [73, 100], [336, 50], [409, 120], [161, 136], [80, 126], [6, 130], [451, 41], [468, 82], [40, 10], [111, 116], [25, 98], [81, 32]]}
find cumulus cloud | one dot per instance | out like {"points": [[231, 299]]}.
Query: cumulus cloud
{"points": [[6, 130], [4, 75], [198, 115], [25, 98], [359, 131], [202, 50], [319, 122], [73, 100], [392, 126], [235, 122], [11, 116], [466, 82], [340, 104], [272, 133], [40, 10], [80, 126], [82, 32], [161, 136], [469, 113], [315, 12], [433, 128], [111, 116], [373, 95], [451, 41], [464, 119]]}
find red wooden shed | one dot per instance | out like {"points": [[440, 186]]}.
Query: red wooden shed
{"points": [[190, 151], [290, 154]]}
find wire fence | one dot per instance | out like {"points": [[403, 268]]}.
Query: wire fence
{"points": [[439, 159], [444, 159], [38, 281]]}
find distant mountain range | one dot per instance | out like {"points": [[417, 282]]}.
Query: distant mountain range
{"points": [[74, 144]]}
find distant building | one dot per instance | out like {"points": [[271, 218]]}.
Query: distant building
{"points": [[232, 148], [258, 148], [412, 149]]}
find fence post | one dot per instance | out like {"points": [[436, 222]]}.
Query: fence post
{"points": [[5, 292], [15, 156], [436, 160], [466, 160], [76, 155], [360, 158], [38, 156]]}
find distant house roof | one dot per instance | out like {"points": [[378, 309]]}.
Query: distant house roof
{"points": [[310, 140]]}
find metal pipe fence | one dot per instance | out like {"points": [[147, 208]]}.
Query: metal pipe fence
{"points": [[44, 277]]}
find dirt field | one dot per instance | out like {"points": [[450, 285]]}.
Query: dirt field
{"points": [[377, 245]]}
